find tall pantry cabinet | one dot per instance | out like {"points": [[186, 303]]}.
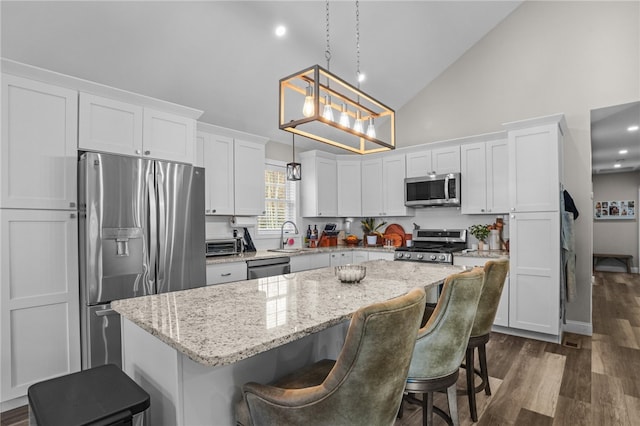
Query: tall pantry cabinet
{"points": [[535, 187], [39, 302]]}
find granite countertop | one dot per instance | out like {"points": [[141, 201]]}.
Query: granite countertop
{"points": [[223, 324], [488, 254], [265, 254]]}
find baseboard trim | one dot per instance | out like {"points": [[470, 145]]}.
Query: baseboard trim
{"points": [[578, 327], [612, 268], [13, 403], [552, 338]]}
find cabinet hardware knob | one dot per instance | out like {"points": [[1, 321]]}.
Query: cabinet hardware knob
{"points": [[72, 215], [72, 204], [213, 211], [225, 275], [138, 152], [513, 209], [319, 214], [208, 211], [147, 152], [481, 210]]}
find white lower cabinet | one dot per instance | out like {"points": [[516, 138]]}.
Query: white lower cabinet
{"points": [[502, 315], [219, 273], [39, 300], [307, 262], [360, 256], [340, 258], [375, 255]]}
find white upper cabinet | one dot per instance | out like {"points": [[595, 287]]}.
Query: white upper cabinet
{"points": [[383, 186], [248, 160], [438, 161], [319, 184], [534, 166], [117, 127], [38, 158], [234, 172], [349, 187], [484, 177], [168, 136]]}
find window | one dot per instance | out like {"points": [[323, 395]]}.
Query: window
{"points": [[280, 199]]}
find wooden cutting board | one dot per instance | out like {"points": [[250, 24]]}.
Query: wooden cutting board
{"points": [[396, 234]]}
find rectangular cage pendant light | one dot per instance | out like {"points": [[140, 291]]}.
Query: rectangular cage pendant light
{"points": [[319, 105]]}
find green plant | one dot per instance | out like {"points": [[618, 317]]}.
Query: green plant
{"points": [[369, 226], [481, 232]]}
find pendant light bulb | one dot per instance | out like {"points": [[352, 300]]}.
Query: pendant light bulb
{"points": [[344, 117], [371, 129], [358, 126], [328, 111], [308, 109]]}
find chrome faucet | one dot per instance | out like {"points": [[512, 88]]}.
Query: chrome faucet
{"points": [[282, 242]]}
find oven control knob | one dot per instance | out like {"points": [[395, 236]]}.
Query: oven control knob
{"points": [[419, 256], [433, 257], [443, 257], [408, 255], [399, 255]]}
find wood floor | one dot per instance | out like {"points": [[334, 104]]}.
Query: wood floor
{"points": [[536, 383], [587, 381]]}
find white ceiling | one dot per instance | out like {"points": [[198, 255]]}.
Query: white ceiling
{"points": [[223, 57], [609, 135]]}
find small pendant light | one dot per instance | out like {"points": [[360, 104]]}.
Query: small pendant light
{"points": [[294, 170]]}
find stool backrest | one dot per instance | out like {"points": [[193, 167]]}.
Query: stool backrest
{"points": [[442, 342], [495, 273]]}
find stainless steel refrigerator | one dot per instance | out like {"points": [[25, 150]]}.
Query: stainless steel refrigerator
{"points": [[141, 232]]}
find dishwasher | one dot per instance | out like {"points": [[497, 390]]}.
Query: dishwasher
{"points": [[262, 268]]}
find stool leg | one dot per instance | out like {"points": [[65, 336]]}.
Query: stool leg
{"points": [[471, 392], [452, 396], [427, 409], [482, 355]]}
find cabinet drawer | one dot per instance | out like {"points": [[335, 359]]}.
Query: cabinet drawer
{"points": [[226, 272]]}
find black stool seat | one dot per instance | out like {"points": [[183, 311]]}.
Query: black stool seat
{"points": [[102, 395]]}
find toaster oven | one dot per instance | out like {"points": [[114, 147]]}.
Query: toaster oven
{"points": [[223, 247]]}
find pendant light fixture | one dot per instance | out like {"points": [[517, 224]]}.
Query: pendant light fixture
{"points": [[294, 170], [309, 97]]}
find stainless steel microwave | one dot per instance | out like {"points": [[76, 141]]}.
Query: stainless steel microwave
{"points": [[432, 190]]}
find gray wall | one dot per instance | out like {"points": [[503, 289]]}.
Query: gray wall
{"points": [[545, 58], [616, 236]]}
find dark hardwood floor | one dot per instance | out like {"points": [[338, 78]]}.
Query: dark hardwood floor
{"points": [[586, 381]]}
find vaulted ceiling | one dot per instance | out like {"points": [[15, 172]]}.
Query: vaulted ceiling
{"points": [[223, 57]]}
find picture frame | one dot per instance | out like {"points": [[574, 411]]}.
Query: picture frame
{"points": [[614, 210]]}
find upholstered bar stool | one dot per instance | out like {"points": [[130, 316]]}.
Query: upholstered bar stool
{"points": [[98, 396], [495, 273], [441, 344], [363, 386]]}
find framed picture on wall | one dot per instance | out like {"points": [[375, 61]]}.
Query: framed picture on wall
{"points": [[618, 209]]}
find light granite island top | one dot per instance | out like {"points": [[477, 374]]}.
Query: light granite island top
{"points": [[223, 324]]}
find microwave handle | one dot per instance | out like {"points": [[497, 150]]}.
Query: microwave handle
{"points": [[446, 187]]}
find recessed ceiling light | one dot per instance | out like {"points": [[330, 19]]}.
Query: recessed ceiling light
{"points": [[617, 166], [622, 151], [633, 128], [361, 77], [281, 30]]}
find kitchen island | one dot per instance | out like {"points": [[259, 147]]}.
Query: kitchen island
{"points": [[192, 350]]}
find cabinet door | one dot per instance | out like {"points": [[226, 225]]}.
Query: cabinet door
{"points": [[220, 273], [534, 181], [349, 188], [249, 178], [38, 161], [375, 255], [474, 178], [168, 136], [446, 160], [340, 258], [534, 292], [497, 176], [419, 163], [327, 181], [40, 322], [372, 200], [360, 256], [393, 174], [110, 126], [218, 163]]}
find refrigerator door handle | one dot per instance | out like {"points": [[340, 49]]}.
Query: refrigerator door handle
{"points": [[152, 243], [105, 312]]}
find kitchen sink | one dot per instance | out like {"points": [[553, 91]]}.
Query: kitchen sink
{"points": [[288, 250]]}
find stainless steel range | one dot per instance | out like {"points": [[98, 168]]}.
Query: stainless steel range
{"points": [[433, 246]]}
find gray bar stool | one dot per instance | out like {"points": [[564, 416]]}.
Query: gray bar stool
{"points": [[98, 396]]}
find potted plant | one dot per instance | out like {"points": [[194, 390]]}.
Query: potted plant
{"points": [[370, 229], [481, 232]]}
